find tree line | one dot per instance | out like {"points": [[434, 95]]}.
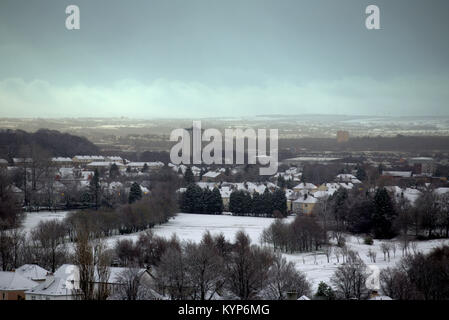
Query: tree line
{"points": [[267, 204], [379, 214], [198, 200], [212, 268]]}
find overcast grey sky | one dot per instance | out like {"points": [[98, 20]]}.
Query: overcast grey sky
{"points": [[200, 58]]}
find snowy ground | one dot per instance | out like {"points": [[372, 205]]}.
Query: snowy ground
{"points": [[32, 219], [190, 227]]}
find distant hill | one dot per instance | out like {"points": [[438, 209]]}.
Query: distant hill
{"points": [[19, 143], [397, 143]]}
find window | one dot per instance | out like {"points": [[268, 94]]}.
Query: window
{"points": [[33, 297]]}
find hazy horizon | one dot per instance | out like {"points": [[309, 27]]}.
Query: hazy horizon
{"points": [[223, 59]]}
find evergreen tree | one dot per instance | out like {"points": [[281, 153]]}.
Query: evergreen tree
{"points": [[279, 202], [383, 215], [258, 204], [267, 199], [238, 202], [94, 188], [135, 193], [217, 202], [325, 292], [361, 174], [188, 177], [114, 171], [192, 200], [281, 182]]}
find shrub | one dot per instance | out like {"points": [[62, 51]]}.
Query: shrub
{"points": [[368, 240]]}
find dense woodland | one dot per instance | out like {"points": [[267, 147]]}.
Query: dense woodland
{"points": [[18, 143]]}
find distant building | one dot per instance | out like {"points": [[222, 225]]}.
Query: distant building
{"points": [[104, 165], [212, 176], [79, 160], [62, 162], [304, 204], [3, 163], [397, 174], [13, 285], [423, 165], [150, 165], [342, 136]]}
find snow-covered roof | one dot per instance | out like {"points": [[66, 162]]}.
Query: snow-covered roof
{"points": [[13, 281], [308, 199], [105, 164], [32, 272], [441, 190], [61, 159], [380, 298], [3, 161], [206, 185], [142, 164], [211, 174], [22, 160], [306, 185], [88, 158], [114, 158], [322, 194]]}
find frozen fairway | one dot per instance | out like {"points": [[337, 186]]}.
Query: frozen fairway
{"points": [[191, 227], [32, 219]]}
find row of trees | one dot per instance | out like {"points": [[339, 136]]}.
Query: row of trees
{"points": [[139, 215], [198, 200], [304, 234], [266, 204], [213, 268], [363, 212], [419, 277], [45, 246]]}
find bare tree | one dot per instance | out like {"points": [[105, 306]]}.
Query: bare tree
{"points": [[284, 278], [102, 261], [84, 260], [171, 275], [385, 247], [131, 286], [247, 268], [349, 279], [49, 238], [205, 269], [328, 249], [372, 255]]}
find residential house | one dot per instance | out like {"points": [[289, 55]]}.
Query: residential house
{"points": [[13, 285], [304, 204], [304, 186], [61, 162], [212, 176], [32, 272]]}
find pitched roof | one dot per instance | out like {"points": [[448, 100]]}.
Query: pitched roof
{"points": [[306, 185], [32, 272], [10, 281]]}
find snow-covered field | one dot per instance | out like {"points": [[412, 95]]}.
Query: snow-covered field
{"points": [[190, 227], [32, 219]]}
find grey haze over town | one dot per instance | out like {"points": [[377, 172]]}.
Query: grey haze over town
{"points": [[223, 58]]}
